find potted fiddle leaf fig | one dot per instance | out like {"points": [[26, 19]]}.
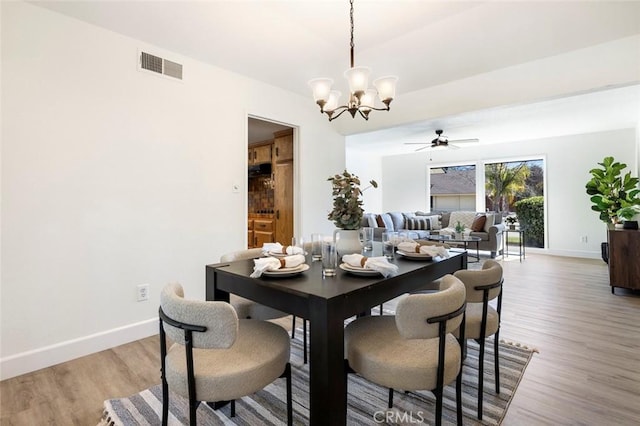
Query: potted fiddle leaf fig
{"points": [[627, 214], [610, 190]]}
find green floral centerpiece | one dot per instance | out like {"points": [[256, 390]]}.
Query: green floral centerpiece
{"points": [[347, 206]]}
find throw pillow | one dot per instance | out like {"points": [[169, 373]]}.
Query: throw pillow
{"points": [[388, 223], [417, 223], [478, 223], [379, 221], [491, 219], [435, 222]]}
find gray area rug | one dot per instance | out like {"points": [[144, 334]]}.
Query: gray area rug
{"points": [[366, 401]]}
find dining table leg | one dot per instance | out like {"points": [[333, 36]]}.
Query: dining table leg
{"points": [[327, 378]]}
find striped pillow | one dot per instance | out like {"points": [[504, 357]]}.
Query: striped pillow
{"points": [[417, 223]]}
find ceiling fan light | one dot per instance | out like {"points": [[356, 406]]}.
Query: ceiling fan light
{"points": [[386, 87], [358, 78], [321, 88]]}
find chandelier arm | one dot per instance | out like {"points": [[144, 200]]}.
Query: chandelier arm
{"points": [[363, 114], [333, 117]]}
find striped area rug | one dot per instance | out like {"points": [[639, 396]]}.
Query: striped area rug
{"points": [[366, 401]]}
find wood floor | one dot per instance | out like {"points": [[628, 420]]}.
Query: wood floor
{"points": [[587, 371]]}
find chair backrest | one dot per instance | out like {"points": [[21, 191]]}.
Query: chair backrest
{"points": [[219, 318], [413, 310], [490, 273], [241, 255]]}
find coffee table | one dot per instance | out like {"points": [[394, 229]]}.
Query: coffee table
{"points": [[464, 241]]}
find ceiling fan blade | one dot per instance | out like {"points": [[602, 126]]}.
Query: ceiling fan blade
{"points": [[451, 146], [417, 143], [423, 148], [464, 140]]}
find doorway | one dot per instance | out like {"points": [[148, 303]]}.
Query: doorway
{"points": [[270, 182]]}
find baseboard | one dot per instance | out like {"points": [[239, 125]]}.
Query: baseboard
{"points": [[573, 253], [26, 362]]}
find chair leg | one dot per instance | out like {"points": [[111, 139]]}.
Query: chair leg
{"points": [[293, 327], [304, 340], [390, 398], [289, 402], [165, 402], [459, 396], [496, 344], [233, 408], [380, 309], [480, 378], [438, 393], [193, 406]]}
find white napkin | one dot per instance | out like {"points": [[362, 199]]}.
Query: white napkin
{"points": [[278, 248], [380, 263], [273, 264], [433, 250]]}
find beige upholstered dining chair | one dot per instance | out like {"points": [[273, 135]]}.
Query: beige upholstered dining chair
{"points": [[419, 351], [248, 309], [216, 357], [481, 319]]}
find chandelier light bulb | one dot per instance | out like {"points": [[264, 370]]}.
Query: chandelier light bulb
{"points": [[358, 78], [321, 88], [332, 103], [386, 87]]}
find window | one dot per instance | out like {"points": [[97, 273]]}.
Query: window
{"points": [[452, 188], [517, 187]]}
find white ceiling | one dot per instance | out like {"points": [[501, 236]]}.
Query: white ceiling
{"points": [[426, 43]]}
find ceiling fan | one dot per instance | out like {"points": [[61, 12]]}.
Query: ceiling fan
{"points": [[441, 141]]}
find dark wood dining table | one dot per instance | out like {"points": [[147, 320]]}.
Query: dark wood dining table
{"points": [[326, 303]]}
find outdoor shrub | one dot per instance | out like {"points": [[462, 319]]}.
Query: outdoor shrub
{"points": [[530, 213]]}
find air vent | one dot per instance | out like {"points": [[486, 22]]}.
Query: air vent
{"points": [[159, 65]]}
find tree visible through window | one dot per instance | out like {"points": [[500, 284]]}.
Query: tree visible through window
{"points": [[518, 187]]}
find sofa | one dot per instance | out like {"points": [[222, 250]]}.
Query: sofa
{"points": [[487, 226]]}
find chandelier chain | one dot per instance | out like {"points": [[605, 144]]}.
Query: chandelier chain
{"points": [[352, 26]]}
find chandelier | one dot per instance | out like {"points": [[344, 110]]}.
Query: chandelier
{"points": [[361, 97]]}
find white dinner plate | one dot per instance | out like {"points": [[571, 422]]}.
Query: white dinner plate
{"points": [[357, 270], [420, 256], [287, 272]]}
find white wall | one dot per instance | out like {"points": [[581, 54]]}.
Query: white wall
{"points": [[568, 161], [112, 177]]}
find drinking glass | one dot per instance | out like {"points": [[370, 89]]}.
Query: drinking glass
{"points": [[298, 242], [316, 246], [329, 259], [367, 239], [388, 242]]}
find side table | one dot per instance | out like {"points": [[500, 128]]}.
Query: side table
{"points": [[521, 251]]}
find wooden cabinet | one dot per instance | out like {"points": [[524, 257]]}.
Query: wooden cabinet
{"points": [[283, 146], [283, 200], [283, 185], [260, 230], [624, 267], [259, 154]]}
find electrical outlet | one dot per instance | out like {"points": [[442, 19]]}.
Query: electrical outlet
{"points": [[583, 239], [143, 292]]}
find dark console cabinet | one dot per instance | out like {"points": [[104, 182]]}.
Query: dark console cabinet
{"points": [[624, 265]]}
